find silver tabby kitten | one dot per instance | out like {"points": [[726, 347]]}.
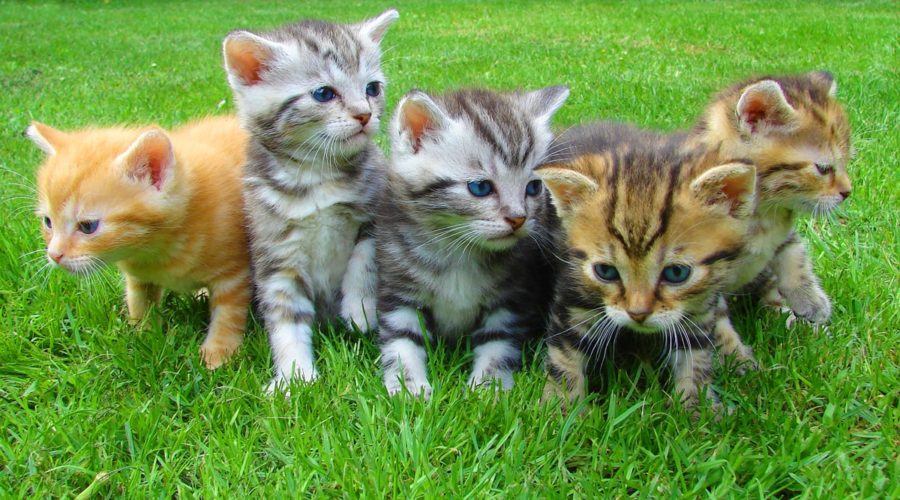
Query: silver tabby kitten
{"points": [[311, 95], [452, 231]]}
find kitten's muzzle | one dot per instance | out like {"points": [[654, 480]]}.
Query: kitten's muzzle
{"points": [[363, 118], [515, 222]]}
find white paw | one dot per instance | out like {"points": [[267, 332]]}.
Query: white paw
{"points": [[360, 313], [281, 382], [487, 379], [414, 386]]}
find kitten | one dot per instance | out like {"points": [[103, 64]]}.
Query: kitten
{"points": [[463, 231], [165, 208], [797, 135], [311, 94], [651, 238]]}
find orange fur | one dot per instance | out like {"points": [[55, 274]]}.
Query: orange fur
{"points": [[165, 225]]}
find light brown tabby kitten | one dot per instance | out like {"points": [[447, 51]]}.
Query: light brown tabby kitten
{"points": [[164, 207], [797, 134], [651, 236]]}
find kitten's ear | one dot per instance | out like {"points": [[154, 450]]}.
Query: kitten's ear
{"points": [[247, 56], [545, 102], [417, 116], [375, 28], [763, 107], [568, 188], [825, 80], [45, 137], [150, 159], [729, 188]]}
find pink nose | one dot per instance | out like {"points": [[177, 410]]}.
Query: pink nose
{"points": [[515, 222], [56, 256], [363, 118], [639, 316], [845, 194]]}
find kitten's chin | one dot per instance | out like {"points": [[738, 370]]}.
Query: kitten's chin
{"points": [[500, 244]]}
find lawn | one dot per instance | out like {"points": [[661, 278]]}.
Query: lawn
{"points": [[88, 404]]}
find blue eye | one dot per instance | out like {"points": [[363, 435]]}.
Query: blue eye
{"points": [[88, 226], [534, 188], [606, 272], [676, 273], [48, 223], [324, 94], [373, 89], [481, 188]]}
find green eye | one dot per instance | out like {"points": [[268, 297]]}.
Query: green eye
{"points": [[676, 274], [824, 169], [606, 272]]}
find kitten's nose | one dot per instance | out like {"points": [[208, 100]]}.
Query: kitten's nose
{"points": [[515, 222], [639, 315], [362, 118], [845, 194], [56, 256]]}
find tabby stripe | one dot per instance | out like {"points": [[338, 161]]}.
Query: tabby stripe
{"points": [[386, 336], [782, 167], [485, 336], [433, 188], [729, 255], [666, 212]]}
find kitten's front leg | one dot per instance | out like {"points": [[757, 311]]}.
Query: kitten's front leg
{"points": [[140, 296], [228, 303], [403, 356], [692, 373], [288, 312], [798, 283], [566, 378], [498, 350], [359, 288], [728, 340]]}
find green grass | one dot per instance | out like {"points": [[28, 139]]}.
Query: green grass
{"points": [[82, 393]]}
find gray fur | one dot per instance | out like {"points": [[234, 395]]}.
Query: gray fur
{"points": [[309, 169], [435, 255]]}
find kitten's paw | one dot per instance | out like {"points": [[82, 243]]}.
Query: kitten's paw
{"points": [[282, 379], [502, 379], [418, 388], [214, 356], [815, 309], [745, 359], [360, 314]]}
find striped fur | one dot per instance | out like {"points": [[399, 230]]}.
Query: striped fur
{"points": [[168, 207], [796, 133], [309, 171], [464, 266], [639, 206]]}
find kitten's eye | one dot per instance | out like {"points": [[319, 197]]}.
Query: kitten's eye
{"points": [[606, 272], [534, 188], [373, 89], [48, 223], [324, 94], [824, 169], [88, 226], [676, 273], [481, 188]]}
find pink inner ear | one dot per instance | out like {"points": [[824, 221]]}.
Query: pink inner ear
{"points": [[244, 57], [758, 109], [150, 160], [735, 189], [417, 121]]}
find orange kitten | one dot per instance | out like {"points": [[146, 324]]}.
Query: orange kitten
{"points": [[165, 208]]}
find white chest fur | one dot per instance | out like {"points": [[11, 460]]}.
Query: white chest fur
{"points": [[458, 297]]}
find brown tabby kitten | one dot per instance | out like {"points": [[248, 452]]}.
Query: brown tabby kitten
{"points": [[163, 207], [797, 134], [652, 236]]}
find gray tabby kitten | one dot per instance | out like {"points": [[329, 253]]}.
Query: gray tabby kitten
{"points": [[311, 95], [453, 227]]}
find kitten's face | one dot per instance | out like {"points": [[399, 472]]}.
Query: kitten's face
{"points": [[798, 135], [466, 163], [311, 90], [650, 262], [101, 193]]}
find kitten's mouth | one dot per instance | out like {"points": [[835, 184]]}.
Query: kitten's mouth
{"points": [[78, 266]]}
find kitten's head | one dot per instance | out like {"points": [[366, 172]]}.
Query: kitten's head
{"points": [[651, 244], [463, 162], [797, 134], [311, 89], [103, 193]]}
